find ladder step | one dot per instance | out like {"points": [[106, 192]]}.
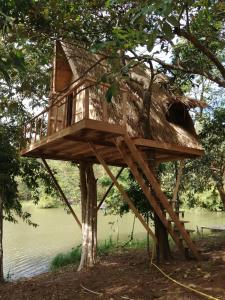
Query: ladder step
{"points": [[182, 221], [179, 212], [182, 239], [187, 230]]}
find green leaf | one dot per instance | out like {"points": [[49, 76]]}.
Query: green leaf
{"points": [[166, 28], [151, 41], [109, 3], [112, 91], [109, 94], [172, 20], [104, 78], [5, 74]]}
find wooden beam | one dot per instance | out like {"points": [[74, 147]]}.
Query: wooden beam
{"points": [[61, 192], [124, 194], [109, 189], [168, 147]]}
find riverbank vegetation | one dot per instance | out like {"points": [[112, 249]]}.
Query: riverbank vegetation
{"points": [[106, 247]]}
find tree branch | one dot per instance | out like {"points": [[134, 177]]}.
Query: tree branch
{"points": [[179, 67], [194, 41]]}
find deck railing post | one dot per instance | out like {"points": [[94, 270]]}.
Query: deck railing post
{"points": [[35, 130], [30, 131], [86, 103], [74, 108], [56, 118]]}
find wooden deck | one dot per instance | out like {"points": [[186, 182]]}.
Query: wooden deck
{"points": [[72, 144]]}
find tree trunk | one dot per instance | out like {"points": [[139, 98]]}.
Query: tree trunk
{"points": [[163, 252], [222, 195], [1, 237], [89, 215]]}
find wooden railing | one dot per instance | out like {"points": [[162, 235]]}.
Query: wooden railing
{"points": [[68, 108]]}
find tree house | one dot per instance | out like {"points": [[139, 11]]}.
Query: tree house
{"points": [[79, 124]]}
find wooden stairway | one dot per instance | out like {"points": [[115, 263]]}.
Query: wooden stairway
{"points": [[135, 161]]}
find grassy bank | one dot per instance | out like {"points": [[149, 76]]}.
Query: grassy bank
{"points": [[107, 246], [104, 248]]}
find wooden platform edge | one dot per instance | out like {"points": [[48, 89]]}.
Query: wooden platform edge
{"points": [[168, 146]]}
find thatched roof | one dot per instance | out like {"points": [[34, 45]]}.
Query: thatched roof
{"points": [[170, 120]]}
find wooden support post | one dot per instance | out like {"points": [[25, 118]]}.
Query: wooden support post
{"points": [[109, 189], [56, 118], [61, 192], [30, 131], [41, 125], [35, 130], [124, 194]]}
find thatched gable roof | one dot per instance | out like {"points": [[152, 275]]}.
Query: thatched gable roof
{"points": [[170, 120]]}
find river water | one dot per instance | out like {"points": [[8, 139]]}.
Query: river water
{"points": [[28, 250]]}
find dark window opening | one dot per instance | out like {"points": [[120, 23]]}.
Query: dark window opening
{"points": [[178, 114]]}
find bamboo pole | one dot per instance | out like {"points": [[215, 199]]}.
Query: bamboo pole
{"points": [[61, 192], [109, 189]]}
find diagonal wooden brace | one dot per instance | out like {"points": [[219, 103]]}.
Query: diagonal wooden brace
{"points": [[124, 194], [65, 200], [109, 189]]}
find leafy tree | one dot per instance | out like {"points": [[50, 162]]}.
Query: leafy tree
{"points": [[208, 173]]}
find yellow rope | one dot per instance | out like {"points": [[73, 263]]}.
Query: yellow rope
{"points": [[177, 282]]}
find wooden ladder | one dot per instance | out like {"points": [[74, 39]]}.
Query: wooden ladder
{"points": [[139, 168]]}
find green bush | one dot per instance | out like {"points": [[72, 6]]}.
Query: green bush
{"points": [[48, 201]]}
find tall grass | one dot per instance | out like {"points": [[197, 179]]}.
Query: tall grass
{"points": [[64, 259], [104, 248]]}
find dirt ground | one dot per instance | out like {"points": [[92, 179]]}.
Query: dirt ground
{"points": [[128, 275]]}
